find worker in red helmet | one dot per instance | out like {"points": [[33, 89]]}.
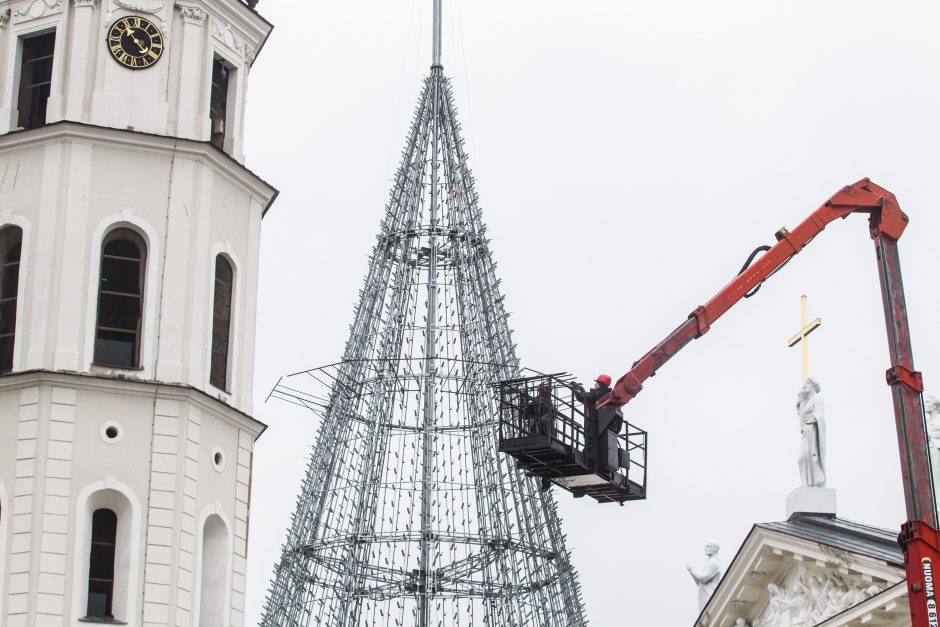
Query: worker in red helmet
{"points": [[590, 398], [601, 387]]}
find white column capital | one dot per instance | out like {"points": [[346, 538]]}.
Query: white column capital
{"points": [[192, 15]]}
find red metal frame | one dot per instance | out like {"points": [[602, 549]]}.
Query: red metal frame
{"points": [[919, 537]]}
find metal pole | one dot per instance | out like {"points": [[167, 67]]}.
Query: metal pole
{"points": [[430, 363], [436, 49]]}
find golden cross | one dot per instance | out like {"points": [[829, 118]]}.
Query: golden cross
{"points": [[802, 336]]}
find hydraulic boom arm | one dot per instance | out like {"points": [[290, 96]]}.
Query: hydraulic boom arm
{"points": [[887, 222]]}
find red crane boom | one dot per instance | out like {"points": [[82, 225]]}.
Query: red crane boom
{"points": [[919, 537]]}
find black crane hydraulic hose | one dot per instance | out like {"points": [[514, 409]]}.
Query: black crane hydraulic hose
{"points": [[750, 260]]}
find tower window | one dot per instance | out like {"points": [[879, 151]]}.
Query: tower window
{"points": [[35, 79], [221, 322], [101, 564], [120, 299], [106, 563], [11, 241], [218, 102]]}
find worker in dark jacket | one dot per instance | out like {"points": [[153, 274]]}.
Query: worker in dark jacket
{"points": [[589, 398], [538, 412], [601, 387], [539, 419]]}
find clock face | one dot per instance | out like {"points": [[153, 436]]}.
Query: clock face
{"points": [[135, 42]]}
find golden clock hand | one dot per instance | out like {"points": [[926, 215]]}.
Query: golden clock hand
{"points": [[143, 50]]}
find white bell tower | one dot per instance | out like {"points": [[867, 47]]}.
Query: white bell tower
{"points": [[129, 235]]}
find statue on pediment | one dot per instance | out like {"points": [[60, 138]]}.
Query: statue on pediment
{"points": [[812, 458], [708, 576]]}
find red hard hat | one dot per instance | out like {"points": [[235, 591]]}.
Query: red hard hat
{"points": [[603, 379]]}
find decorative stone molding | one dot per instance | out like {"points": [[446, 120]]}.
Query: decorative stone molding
{"points": [[192, 15], [85, 3], [36, 9], [223, 32], [4, 18], [153, 9], [228, 36], [810, 599], [842, 558], [157, 9]]}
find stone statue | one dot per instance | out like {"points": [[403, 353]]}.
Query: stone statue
{"points": [[812, 458], [708, 576], [932, 409]]}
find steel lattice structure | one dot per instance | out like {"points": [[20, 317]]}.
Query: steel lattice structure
{"points": [[408, 515]]}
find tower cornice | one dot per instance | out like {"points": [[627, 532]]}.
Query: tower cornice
{"points": [[145, 142], [229, 13], [136, 387]]}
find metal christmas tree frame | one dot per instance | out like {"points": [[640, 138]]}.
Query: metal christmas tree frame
{"points": [[408, 515]]}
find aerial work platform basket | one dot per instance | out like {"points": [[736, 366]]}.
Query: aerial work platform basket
{"points": [[577, 447]]}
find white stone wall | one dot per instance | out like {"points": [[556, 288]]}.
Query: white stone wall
{"points": [[127, 149], [70, 185], [22, 550], [169, 98], [161, 466]]}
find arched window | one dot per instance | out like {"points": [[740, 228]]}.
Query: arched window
{"points": [[101, 564], [120, 299], [105, 569], [214, 568], [11, 243], [221, 322]]}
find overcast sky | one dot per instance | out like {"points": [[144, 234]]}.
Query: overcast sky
{"points": [[632, 154]]}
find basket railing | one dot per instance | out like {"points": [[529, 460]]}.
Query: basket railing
{"points": [[545, 405], [540, 405]]}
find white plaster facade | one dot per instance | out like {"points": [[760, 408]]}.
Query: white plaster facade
{"points": [[171, 98], [128, 149]]}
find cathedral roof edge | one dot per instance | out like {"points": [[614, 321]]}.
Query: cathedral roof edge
{"points": [[848, 535]]}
